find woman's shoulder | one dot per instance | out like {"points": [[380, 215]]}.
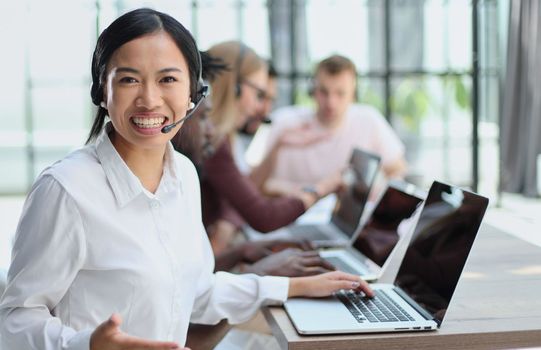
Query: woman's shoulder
{"points": [[77, 167], [75, 162], [184, 165], [182, 161]]}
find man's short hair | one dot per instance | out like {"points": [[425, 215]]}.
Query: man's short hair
{"points": [[336, 64]]}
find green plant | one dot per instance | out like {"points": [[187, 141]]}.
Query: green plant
{"points": [[411, 100]]}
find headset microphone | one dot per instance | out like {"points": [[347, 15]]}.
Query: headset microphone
{"points": [[203, 92]]}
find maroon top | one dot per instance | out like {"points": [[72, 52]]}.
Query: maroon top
{"points": [[224, 188]]}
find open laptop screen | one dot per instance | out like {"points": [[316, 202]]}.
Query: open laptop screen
{"points": [[379, 234], [351, 201], [439, 246]]}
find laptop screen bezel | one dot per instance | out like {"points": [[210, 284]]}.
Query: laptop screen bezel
{"points": [[483, 201], [395, 185], [336, 219]]}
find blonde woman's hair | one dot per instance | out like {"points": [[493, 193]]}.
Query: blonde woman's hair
{"points": [[241, 61]]}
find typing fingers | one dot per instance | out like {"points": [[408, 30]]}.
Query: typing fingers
{"points": [[350, 281]]}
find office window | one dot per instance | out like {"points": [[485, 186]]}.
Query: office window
{"points": [[45, 107], [255, 26], [447, 34], [345, 34], [218, 20], [414, 59], [12, 102], [371, 90], [434, 122], [492, 29]]}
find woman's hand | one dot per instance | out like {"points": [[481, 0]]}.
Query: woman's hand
{"points": [[290, 263], [108, 336], [325, 284]]}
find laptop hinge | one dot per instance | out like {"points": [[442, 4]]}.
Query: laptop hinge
{"points": [[414, 304]]}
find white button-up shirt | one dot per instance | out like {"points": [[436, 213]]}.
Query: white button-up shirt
{"points": [[92, 241]]}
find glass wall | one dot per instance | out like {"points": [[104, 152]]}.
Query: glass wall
{"points": [[45, 106], [45, 109], [415, 65], [414, 59]]}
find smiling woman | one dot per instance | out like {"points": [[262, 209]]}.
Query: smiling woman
{"points": [[143, 92], [156, 77], [112, 233]]}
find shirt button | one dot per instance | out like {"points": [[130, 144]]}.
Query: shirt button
{"points": [[154, 204]]}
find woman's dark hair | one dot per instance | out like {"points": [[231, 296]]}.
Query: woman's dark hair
{"points": [[188, 140], [211, 66], [130, 26]]}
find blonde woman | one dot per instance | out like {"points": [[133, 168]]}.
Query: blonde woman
{"points": [[228, 195]]}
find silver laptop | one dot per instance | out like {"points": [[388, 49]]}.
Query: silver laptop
{"points": [[425, 282], [370, 249], [348, 207]]}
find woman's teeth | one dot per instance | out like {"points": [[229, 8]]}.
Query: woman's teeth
{"points": [[148, 123]]}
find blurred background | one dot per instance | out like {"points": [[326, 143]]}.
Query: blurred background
{"points": [[414, 57], [457, 80]]}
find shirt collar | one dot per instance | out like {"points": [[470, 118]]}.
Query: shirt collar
{"points": [[124, 184], [171, 178]]}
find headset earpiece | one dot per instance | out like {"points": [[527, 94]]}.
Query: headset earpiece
{"points": [[201, 89], [200, 93]]}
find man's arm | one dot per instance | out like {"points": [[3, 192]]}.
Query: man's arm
{"points": [[300, 135], [261, 173], [396, 169]]}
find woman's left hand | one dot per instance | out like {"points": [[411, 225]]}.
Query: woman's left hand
{"points": [[327, 283]]}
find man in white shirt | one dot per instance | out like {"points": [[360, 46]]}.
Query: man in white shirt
{"points": [[339, 125]]}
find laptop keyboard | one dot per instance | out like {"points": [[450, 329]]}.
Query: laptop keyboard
{"points": [[311, 232], [341, 265], [381, 308]]}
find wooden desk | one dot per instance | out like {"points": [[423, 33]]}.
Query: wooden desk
{"points": [[497, 305]]}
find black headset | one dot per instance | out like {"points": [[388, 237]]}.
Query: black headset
{"points": [[201, 89], [201, 92], [238, 66]]}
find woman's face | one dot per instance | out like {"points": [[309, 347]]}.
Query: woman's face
{"points": [[147, 87], [252, 98]]}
